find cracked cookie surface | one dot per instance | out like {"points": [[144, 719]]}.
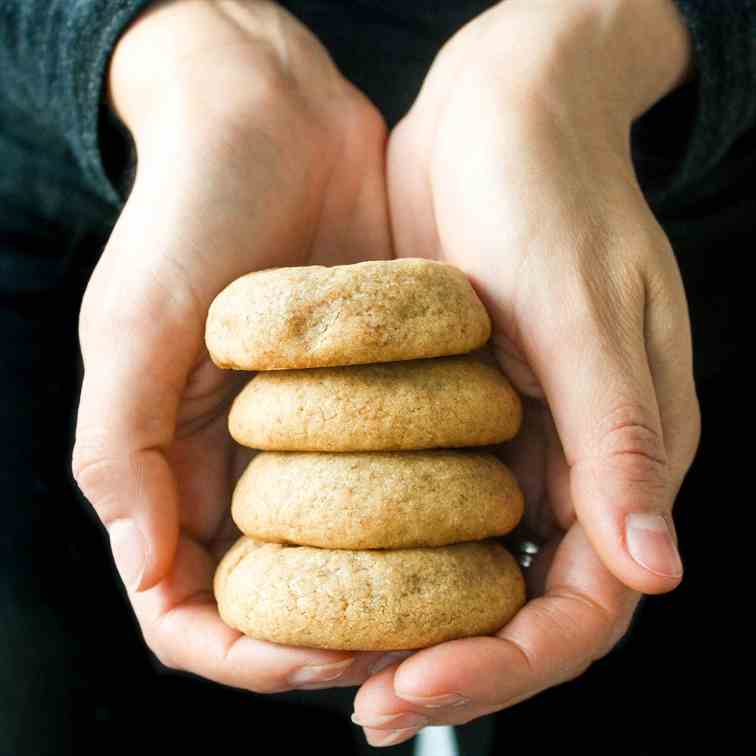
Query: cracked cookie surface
{"points": [[367, 600], [376, 500], [315, 316], [421, 404]]}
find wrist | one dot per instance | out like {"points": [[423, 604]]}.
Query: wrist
{"points": [[188, 63], [650, 46], [139, 82], [614, 56]]}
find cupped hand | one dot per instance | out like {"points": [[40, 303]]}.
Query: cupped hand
{"points": [[253, 152], [514, 164]]}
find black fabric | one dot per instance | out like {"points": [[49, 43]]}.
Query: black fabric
{"points": [[53, 60], [54, 55], [75, 676], [724, 42]]}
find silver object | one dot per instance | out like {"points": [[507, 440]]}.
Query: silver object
{"points": [[525, 552]]}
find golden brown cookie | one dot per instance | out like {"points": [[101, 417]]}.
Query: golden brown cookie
{"points": [[422, 404], [367, 600], [376, 500], [314, 316]]}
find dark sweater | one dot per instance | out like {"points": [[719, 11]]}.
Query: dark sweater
{"points": [[63, 159], [54, 53]]}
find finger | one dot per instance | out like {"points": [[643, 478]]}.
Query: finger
{"points": [[204, 464], [668, 333], [536, 458], [180, 622], [385, 718], [590, 357], [552, 639], [384, 738], [138, 340]]}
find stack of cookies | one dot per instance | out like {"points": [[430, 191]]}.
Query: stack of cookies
{"points": [[366, 525]]}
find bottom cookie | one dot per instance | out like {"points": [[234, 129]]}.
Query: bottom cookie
{"points": [[367, 600]]}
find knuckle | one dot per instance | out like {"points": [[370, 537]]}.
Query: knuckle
{"points": [[619, 630], [92, 477], [101, 474], [609, 623], [580, 670], [158, 645], [364, 118], [163, 656], [620, 620], [694, 432], [652, 243], [687, 430], [629, 438], [615, 630], [91, 468]]}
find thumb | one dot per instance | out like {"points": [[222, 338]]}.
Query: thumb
{"points": [[594, 370], [136, 341]]}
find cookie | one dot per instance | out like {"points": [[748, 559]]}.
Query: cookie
{"points": [[367, 600], [422, 404], [315, 316], [376, 500]]}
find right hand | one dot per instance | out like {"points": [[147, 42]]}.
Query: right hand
{"points": [[253, 152]]}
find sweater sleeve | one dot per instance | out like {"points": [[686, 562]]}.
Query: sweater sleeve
{"points": [[681, 145], [54, 56]]}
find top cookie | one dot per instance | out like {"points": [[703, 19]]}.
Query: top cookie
{"points": [[381, 311]]}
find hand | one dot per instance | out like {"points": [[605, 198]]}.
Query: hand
{"points": [[514, 164], [253, 152]]}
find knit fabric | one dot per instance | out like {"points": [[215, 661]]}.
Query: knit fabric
{"points": [[54, 56]]}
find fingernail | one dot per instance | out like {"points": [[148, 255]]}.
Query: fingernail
{"points": [[387, 660], [129, 552], [392, 737], [404, 721], [320, 673], [652, 545], [436, 702]]}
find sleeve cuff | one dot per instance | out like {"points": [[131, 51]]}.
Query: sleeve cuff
{"points": [[683, 139], [101, 144]]}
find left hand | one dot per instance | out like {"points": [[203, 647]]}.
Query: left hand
{"points": [[514, 164], [261, 157]]}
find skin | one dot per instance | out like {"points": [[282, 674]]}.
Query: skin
{"points": [[533, 196]]}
